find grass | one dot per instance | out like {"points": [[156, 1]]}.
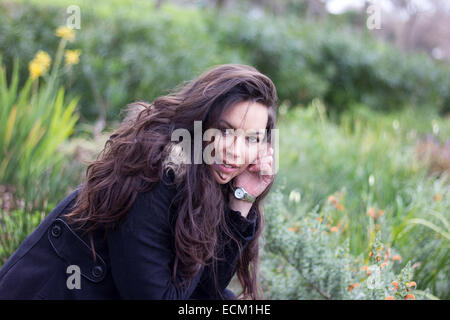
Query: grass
{"points": [[370, 161]]}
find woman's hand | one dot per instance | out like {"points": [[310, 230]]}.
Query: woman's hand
{"points": [[254, 179], [257, 176]]}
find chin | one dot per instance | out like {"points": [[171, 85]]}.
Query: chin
{"points": [[221, 179]]}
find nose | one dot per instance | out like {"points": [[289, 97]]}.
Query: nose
{"points": [[235, 153]]}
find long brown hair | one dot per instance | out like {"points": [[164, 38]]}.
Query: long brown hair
{"points": [[134, 159]]}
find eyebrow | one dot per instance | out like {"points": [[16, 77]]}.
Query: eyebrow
{"points": [[249, 131]]}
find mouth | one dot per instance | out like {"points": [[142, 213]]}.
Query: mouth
{"points": [[227, 165], [225, 168]]}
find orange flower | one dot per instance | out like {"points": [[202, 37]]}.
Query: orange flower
{"points": [[396, 258], [292, 229], [374, 213], [412, 284], [319, 219], [410, 297], [389, 298], [332, 199], [383, 265], [352, 286], [366, 268], [395, 284], [437, 197], [370, 253], [371, 213], [339, 207], [334, 229]]}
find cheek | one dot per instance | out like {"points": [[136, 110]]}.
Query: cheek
{"points": [[252, 154], [219, 143], [218, 147]]}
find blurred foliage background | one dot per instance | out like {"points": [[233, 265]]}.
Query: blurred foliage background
{"points": [[364, 124]]}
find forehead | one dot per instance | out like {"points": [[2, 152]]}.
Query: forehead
{"points": [[247, 115]]}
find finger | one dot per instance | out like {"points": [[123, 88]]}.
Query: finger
{"points": [[257, 164], [264, 163], [266, 169], [266, 158], [264, 149]]}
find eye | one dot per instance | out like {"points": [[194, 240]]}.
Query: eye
{"points": [[227, 131], [253, 139]]}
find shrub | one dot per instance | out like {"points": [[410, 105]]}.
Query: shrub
{"points": [[370, 160], [135, 52], [308, 261]]}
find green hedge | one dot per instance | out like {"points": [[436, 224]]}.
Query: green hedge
{"points": [[132, 52], [309, 60]]}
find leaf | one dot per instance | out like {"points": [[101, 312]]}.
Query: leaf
{"points": [[430, 225], [10, 125]]}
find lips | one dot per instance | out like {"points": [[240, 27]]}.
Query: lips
{"points": [[229, 165], [223, 169]]}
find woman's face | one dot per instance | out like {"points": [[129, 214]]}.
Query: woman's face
{"points": [[243, 128]]}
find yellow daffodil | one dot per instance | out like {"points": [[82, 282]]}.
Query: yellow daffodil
{"points": [[72, 57], [65, 33], [35, 70], [43, 59], [39, 65]]}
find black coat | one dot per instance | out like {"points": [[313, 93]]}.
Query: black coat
{"points": [[133, 262]]}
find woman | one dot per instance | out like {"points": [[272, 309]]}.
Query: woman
{"points": [[151, 221]]}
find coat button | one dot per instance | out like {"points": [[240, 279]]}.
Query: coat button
{"points": [[56, 231], [97, 271]]}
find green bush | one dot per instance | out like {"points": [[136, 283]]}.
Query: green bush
{"points": [[310, 60], [134, 52], [125, 57], [308, 261], [15, 226], [370, 160]]}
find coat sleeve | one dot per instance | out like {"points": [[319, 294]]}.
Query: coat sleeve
{"points": [[244, 230], [141, 250]]}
